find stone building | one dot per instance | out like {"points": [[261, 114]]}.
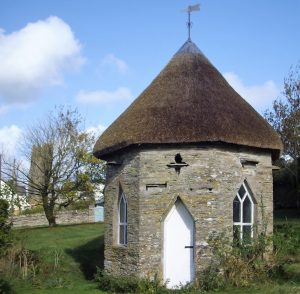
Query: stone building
{"points": [[188, 158], [40, 162]]}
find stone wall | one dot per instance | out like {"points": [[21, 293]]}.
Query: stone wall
{"points": [[122, 259], [63, 218], [207, 187]]}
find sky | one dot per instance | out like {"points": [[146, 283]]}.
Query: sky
{"points": [[98, 56]]}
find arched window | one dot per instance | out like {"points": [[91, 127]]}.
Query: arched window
{"points": [[243, 215], [122, 220]]}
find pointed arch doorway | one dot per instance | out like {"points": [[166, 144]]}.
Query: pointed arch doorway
{"points": [[178, 246]]}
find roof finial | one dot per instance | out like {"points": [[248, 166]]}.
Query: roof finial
{"points": [[189, 9]]}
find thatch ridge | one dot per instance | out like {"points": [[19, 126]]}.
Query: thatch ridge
{"points": [[189, 102]]}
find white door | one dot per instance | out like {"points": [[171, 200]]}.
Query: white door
{"points": [[178, 246]]}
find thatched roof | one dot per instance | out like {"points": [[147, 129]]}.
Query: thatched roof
{"points": [[188, 102]]}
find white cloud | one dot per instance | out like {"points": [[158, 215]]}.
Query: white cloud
{"points": [[119, 64], [96, 130], [259, 96], [34, 57], [9, 138], [103, 97]]}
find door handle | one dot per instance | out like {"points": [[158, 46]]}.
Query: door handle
{"points": [[189, 247]]}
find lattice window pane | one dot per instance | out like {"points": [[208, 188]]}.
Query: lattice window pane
{"points": [[122, 233], [236, 209], [123, 208], [125, 234], [247, 210], [243, 205], [242, 191], [122, 220]]}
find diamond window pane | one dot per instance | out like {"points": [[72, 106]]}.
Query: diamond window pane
{"points": [[247, 210], [242, 191], [236, 210]]}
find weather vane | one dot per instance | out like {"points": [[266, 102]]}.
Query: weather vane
{"points": [[189, 9]]}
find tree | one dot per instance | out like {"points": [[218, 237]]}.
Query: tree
{"points": [[61, 162], [5, 226], [285, 118], [285, 115]]}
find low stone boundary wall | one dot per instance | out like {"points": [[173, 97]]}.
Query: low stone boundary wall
{"points": [[65, 217]]}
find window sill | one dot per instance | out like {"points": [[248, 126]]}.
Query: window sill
{"points": [[119, 246]]}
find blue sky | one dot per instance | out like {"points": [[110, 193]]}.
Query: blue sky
{"points": [[100, 55]]}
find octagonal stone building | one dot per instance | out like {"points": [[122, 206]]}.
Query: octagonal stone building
{"points": [[188, 158]]}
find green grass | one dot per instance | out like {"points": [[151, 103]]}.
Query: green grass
{"points": [[80, 249], [291, 216]]}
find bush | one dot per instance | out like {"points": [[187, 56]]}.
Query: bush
{"points": [[22, 263], [257, 261], [286, 239], [34, 210], [5, 227], [116, 284], [122, 284], [5, 288], [210, 279], [39, 269]]}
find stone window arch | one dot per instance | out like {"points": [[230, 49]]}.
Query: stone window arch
{"points": [[122, 219], [243, 214]]}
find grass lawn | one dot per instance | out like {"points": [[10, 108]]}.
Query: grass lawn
{"points": [[79, 249]]}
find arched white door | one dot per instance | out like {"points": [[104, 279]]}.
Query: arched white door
{"points": [[178, 246]]}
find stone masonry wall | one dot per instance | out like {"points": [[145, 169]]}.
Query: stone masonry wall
{"points": [[63, 218], [122, 260], [207, 187]]}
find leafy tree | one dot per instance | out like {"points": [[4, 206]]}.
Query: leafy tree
{"points": [[285, 118], [285, 115], [61, 161]]}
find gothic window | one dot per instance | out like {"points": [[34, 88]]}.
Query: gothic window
{"points": [[122, 220], [243, 215]]}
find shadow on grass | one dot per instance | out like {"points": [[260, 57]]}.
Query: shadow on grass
{"points": [[89, 256], [5, 287]]}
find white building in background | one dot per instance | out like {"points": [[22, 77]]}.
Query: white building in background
{"points": [[17, 201], [98, 195]]}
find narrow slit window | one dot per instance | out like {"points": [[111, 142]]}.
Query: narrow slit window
{"points": [[243, 215], [122, 232]]}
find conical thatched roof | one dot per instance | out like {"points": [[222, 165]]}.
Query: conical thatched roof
{"points": [[188, 102]]}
